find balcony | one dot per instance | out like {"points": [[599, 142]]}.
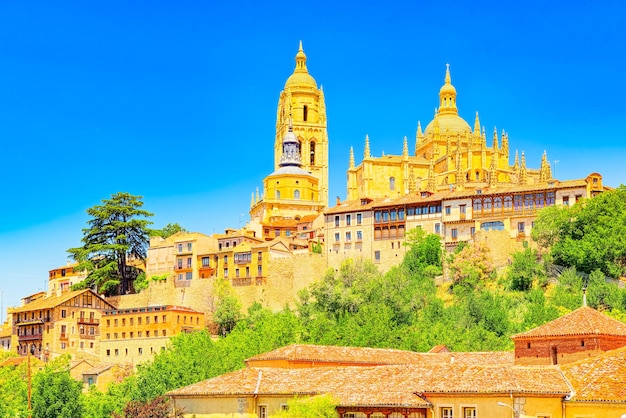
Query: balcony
{"points": [[88, 321], [33, 321], [31, 337], [87, 336], [181, 268]]}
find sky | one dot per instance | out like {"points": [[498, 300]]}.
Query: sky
{"points": [[176, 101]]}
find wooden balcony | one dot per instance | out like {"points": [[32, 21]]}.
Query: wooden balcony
{"points": [[88, 321], [30, 337]]}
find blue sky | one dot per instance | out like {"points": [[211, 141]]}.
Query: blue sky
{"points": [[176, 101]]}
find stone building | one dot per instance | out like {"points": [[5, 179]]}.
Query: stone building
{"points": [[51, 326], [385, 383]]}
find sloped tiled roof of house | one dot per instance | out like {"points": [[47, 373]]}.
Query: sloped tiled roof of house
{"points": [[582, 321], [98, 369], [396, 385], [352, 205], [52, 301], [378, 356], [601, 378]]}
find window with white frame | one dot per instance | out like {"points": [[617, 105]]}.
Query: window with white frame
{"points": [[469, 412], [446, 412], [262, 411]]}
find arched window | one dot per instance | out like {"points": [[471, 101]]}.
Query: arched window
{"points": [[312, 153], [305, 113], [296, 194], [277, 194], [392, 183]]}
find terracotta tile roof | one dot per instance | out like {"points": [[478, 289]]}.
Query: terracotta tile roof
{"points": [[601, 378], [308, 218], [396, 385], [52, 301], [352, 206], [98, 369], [582, 321], [283, 223], [547, 380], [377, 356]]}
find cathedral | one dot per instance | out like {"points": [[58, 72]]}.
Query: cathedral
{"points": [[452, 184], [448, 155]]}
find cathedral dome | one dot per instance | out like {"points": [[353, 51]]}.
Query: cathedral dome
{"points": [[301, 74], [448, 122], [299, 78]]}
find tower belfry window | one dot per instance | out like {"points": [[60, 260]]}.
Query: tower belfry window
{"points": [[305, 113], [392, 183], [312, 153]]}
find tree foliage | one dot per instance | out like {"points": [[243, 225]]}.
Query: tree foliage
{"points": [[472, 265], [56, 393], [114, 243], [321, 406], [524, 270], [228, 308], [588, 236], [168, 230]]}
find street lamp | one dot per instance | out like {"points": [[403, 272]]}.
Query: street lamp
{"points": [[515, 413]]}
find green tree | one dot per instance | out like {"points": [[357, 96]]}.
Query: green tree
{"points": [[14, 390], [321, 406], [115, 241], [524, 270], [168, 230], [425, 251], [588, 236], [56, 393], [471, 266], [228, 308]]}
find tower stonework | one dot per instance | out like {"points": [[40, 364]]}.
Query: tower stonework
{"points": [[297, 190], [302, 102]]}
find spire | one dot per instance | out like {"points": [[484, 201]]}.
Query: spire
{"points": [[256, 198], [351, 164], [301, 61], [419, 136], [505, 146], [405, 148], [252, 200], [523, 174], [495, 139], [484, 138], [545, 173], [477, 126], [366, 153], [447, 95], [516, 165]]}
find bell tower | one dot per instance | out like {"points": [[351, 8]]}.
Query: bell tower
{"points": [[302, 104]]}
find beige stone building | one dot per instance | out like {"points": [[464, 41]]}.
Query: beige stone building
{"points": [[135, 335], [51, 326]]}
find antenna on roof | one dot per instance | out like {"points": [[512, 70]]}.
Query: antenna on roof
{"points": [[585, 284]]}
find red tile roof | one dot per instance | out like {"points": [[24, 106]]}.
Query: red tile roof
{"points": [[601, 378], [396, 385], [378, 356], [582, 321]]}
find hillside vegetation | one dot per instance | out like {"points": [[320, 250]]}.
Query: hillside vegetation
{"points": [[415, 306]]}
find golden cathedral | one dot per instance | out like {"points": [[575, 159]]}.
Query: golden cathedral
{"points": [[448, 155]]}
